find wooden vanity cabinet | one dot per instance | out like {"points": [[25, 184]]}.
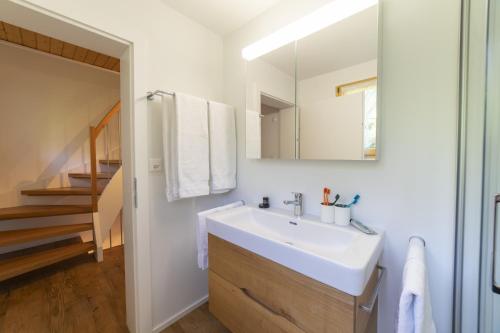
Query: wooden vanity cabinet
{"points": [[251, 294]]}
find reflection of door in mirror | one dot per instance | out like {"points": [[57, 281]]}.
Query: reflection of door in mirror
{"points": [[277, 128]]}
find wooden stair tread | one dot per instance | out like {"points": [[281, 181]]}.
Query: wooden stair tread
{"points": [[100, 175], [113, 162], [19, 265], [12, 237], [60, 191], [27, 211]]}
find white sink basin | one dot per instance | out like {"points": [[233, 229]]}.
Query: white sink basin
{"points": [[341, 257]]}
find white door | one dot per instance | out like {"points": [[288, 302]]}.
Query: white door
{"points": [[489, 311]]}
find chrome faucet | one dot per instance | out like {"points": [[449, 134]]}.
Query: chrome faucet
{"points": [[297, 204]]}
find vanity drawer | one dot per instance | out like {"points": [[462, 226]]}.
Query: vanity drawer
{"points": [[240, 313], [286, 295]]}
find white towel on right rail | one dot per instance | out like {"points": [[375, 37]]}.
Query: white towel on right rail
{"points": [[415, 311], [222, 128]]}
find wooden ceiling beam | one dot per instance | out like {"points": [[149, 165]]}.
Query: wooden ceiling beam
{"points": [[28, 38], [43, 43], [3, 34], [13, 33], [34, 40]]}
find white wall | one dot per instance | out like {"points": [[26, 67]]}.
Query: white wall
{"points": [[175, 53], [411, 189], [265, 78], [191, 61], [331, 127]]}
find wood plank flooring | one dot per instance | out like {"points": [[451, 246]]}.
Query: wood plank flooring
{"points": [[80, 295], [198, 321]]}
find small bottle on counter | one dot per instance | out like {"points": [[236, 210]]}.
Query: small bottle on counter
{"points": [[265, 203]]}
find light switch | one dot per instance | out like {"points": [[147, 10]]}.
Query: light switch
{"points": [[155, 164]]}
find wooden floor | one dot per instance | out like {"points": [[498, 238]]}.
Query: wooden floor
{"points": [[198, 321], [80, 296]]}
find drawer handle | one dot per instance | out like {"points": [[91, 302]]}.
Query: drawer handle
{"points": [[368, 306], [283, 315], [268, 308]]}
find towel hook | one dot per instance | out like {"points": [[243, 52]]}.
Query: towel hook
{"points": [[417, 237]]}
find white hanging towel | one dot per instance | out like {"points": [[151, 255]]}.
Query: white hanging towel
{"points": [[222, 129], [186, 147], [415, 312], [202, 234]]}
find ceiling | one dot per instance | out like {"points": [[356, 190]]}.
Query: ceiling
{"points": [[39, 42], [341, 45], [221, 16]]}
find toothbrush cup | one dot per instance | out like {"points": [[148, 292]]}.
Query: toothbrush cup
{"points": [[327, 213], [342, 215]]}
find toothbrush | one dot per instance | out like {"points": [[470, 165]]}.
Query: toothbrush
{"points": [[326, 193], [354, 200], [337, 197]]}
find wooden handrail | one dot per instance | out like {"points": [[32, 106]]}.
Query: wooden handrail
{"points": [[114, 110], [94, 133]]}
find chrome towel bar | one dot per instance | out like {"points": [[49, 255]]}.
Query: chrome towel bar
{"points": [[151, 94], [368, 306], [417, 237]]}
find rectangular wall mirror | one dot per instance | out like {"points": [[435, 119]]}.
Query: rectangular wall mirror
{"points": [[316, 98]]}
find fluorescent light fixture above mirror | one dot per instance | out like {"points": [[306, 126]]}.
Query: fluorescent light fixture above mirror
{"points": [[329, 14]]}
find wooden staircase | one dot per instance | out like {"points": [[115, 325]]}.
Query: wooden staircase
{"points": [[18, 265], [60, 191], [20, 262]]}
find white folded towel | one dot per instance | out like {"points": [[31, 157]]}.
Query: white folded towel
{"points": [[415, 311], [186, 147], [222, 128], [202, 234]]}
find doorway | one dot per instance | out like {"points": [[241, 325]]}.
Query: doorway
{"points": [[477, 265], [75, 33]]}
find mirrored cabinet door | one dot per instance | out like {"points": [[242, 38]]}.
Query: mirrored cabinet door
{"points": [[337, 90]]}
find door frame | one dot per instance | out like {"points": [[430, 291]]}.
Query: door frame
{"points": [[132, 53], [469, 197]]}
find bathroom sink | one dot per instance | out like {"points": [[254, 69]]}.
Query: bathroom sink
{"points": [[339, 256]]}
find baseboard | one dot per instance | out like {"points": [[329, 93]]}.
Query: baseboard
{"points": [[180, 314]]}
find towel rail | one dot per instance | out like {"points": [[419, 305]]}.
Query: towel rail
{"points": [[151, 94], [417, 237], [368, 306]]}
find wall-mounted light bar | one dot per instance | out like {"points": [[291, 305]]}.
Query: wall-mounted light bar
{"points": [[329, 14]]}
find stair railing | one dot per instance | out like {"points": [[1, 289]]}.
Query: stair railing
{"points": [[94, 133]]}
